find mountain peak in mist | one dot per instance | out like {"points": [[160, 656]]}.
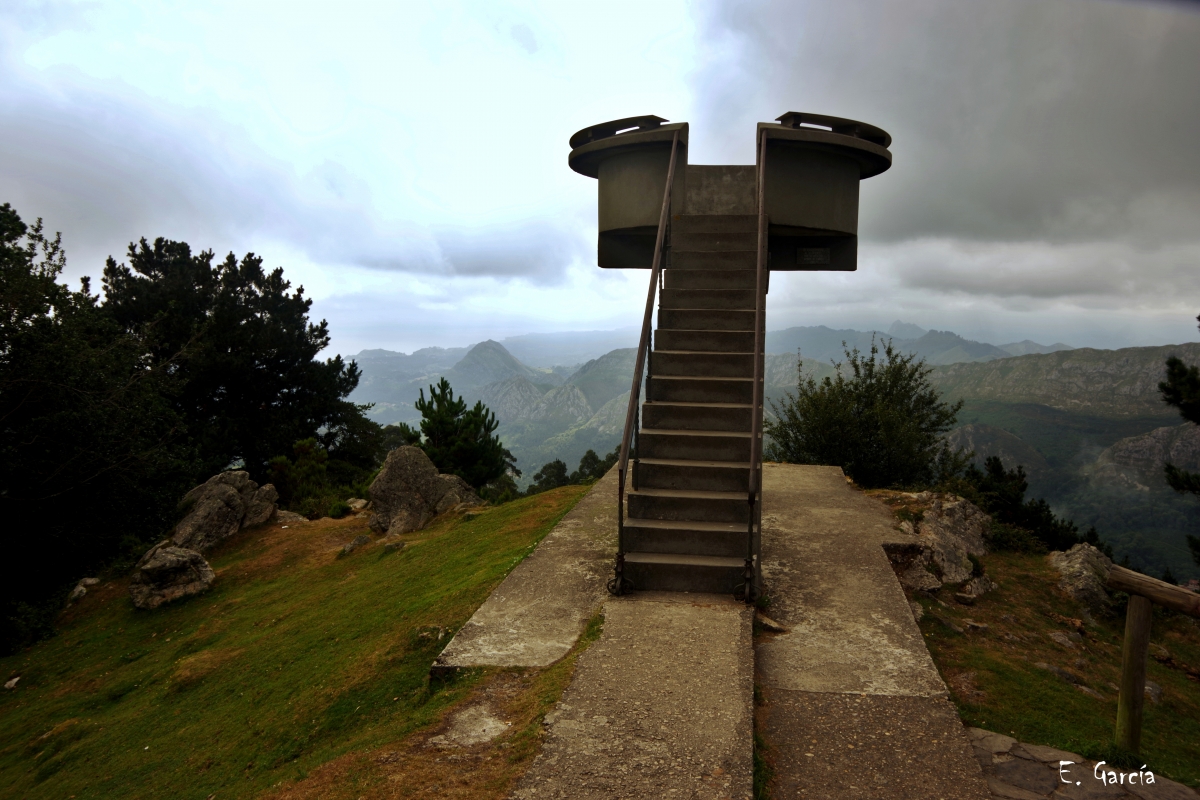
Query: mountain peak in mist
{"points": [[906, 330]]}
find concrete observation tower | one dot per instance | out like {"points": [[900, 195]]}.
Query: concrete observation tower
{"points": [[691, 453]]}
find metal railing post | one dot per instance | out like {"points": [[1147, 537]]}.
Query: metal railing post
{"points": [[619, 583]]}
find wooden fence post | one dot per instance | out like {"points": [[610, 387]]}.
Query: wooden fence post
{"points": [[1133, 673]]}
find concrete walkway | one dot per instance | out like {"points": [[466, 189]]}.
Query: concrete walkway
{"points": [[661, 705], [537, 613]]}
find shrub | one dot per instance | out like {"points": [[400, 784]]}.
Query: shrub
{"points": [[879, 419], [338, 509]]}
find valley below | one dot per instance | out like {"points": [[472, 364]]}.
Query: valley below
{"points": [[1087, 425]]}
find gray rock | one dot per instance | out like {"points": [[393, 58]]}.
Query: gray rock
{"points": [[1153, 692], [1084, 571], [88, 581], [220, 507], [457, 493], [950, 531], [289, 517], [167, 573], [215, 515], [974, 589], [77, 594], [12, 682], [409, 492], [354, 544], [917, 610], [260, 505], [1067, 639], [357, 503]]}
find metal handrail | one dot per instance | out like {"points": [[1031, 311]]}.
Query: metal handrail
{"points": [[619, 584], [750, 575]]}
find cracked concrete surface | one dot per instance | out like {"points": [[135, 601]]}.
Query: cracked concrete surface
{"points": [[537, 613], [854, 706], [660, 706]]}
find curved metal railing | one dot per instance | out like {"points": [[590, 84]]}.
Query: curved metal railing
{"points": [[619, 583]]}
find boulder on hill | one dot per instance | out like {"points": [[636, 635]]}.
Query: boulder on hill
{"points": [[1084, 571], [220, 507], [409, 492], [168, 573], [950, 530]]}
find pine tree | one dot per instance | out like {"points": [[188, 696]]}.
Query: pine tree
{"points": [[462, 441], [1181, 389]]}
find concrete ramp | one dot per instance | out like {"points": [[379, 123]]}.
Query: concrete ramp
{"points": [[660, 706], [537, 613], [854, 706]]}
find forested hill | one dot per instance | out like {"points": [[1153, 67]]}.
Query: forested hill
{"points": [[1092, 432], [1106, 383]]}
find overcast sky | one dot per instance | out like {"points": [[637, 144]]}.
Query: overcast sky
{"points": [[406, 163]]}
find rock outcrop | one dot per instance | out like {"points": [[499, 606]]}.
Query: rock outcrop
{"points": [[220, 507], [168, 573], [1084, 571], [948, 532], [409, 492]]}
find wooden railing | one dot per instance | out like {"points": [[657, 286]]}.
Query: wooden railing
{"points": [[1143, 590], [619, 583]]}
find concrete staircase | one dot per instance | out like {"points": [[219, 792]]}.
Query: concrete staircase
{"points": [[688, 511]]}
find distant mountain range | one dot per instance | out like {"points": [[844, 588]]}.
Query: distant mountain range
{"points": [[1087, 425], [936, 347]]}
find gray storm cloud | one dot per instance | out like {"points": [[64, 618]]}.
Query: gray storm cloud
{"points": [[1066, 121]]}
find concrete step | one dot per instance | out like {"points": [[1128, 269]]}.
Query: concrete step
{"points": [[681, 504], [709, 278], [697, 416], [704, 319], [712, 476], [714, 223], [694, 445], [677, 389], [725, 299], [710, 241], [711, 341], [726, 539], [718, 259], [683, 573], [713, 365]]}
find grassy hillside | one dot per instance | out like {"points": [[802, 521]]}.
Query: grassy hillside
{"points": [[996, 681], [296, 663], [1009, 676]]}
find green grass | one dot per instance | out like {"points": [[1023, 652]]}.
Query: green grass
{"points": [[294, 658], [995, 684]]}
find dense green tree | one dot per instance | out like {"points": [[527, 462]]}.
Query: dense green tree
{"points": [[1001, 493], [550, 476], [1181, 389], [592, 467], [400, 434], [93, 453], [462, 441], [241, 344], [879, 419]]}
